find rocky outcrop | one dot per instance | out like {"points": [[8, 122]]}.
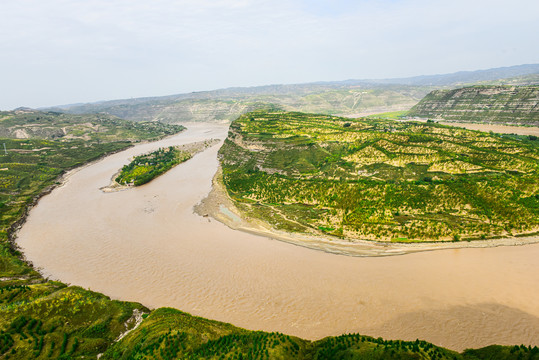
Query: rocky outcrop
{"points": [[499, 104]]}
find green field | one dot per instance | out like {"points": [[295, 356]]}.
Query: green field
{"points": [[48, 320], [381, 179], [392, 115]]}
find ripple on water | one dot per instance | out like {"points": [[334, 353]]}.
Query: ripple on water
{"points": [[169, 256]]}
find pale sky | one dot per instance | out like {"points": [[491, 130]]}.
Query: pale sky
{"points": [[56, 52]]}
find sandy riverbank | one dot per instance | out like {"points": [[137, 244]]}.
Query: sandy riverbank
{"points": [[487, 127], [58, 182], [220, 206], [497, 128]]}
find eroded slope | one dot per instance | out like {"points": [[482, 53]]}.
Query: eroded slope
{"points": [[499, 104], [380, 179]]}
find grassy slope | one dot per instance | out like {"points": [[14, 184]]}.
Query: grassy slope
{"points": [[381, 179], [46, 319], [29, 167], [41, 319], [500, 104], [171, 334]]}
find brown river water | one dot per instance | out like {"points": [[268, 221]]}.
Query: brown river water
{"points": [[146, 245]]}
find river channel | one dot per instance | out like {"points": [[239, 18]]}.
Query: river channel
{"points": [[146, 245]]}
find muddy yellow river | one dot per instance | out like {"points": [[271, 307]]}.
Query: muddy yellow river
{"points": [[146, 245]]}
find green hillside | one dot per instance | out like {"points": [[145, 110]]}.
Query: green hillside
{"points": [[497, 104], [171, 334], [28, 123], [42, 319], [381, 179]]}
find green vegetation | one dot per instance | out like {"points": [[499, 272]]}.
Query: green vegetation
{"points": [[171, 334], [498, 104], [73, 323], [392, 115], [146, 167], [49, 320], [381, 179], [42, 319], [22, 124]]}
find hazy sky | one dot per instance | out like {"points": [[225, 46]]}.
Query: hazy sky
{"points": [[65, 51]]}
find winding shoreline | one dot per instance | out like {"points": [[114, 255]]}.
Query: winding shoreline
{"points": [[147, 246], [59, 182], [218, 203]]}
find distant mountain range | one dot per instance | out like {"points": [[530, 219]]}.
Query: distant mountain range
{"points": [[468, 77], [348, 97]]}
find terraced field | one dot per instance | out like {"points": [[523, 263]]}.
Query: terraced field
{"points": [[381, 179], [502, 104], [43, 319], [34, 124], [170, 334]]}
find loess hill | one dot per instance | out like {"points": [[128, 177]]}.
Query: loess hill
{"points": [[380, 179], [498, 104], [43, 319], [40, 146], [33, 124]]}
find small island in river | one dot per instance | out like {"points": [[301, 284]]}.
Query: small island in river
{"points": [[146, 167]]}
